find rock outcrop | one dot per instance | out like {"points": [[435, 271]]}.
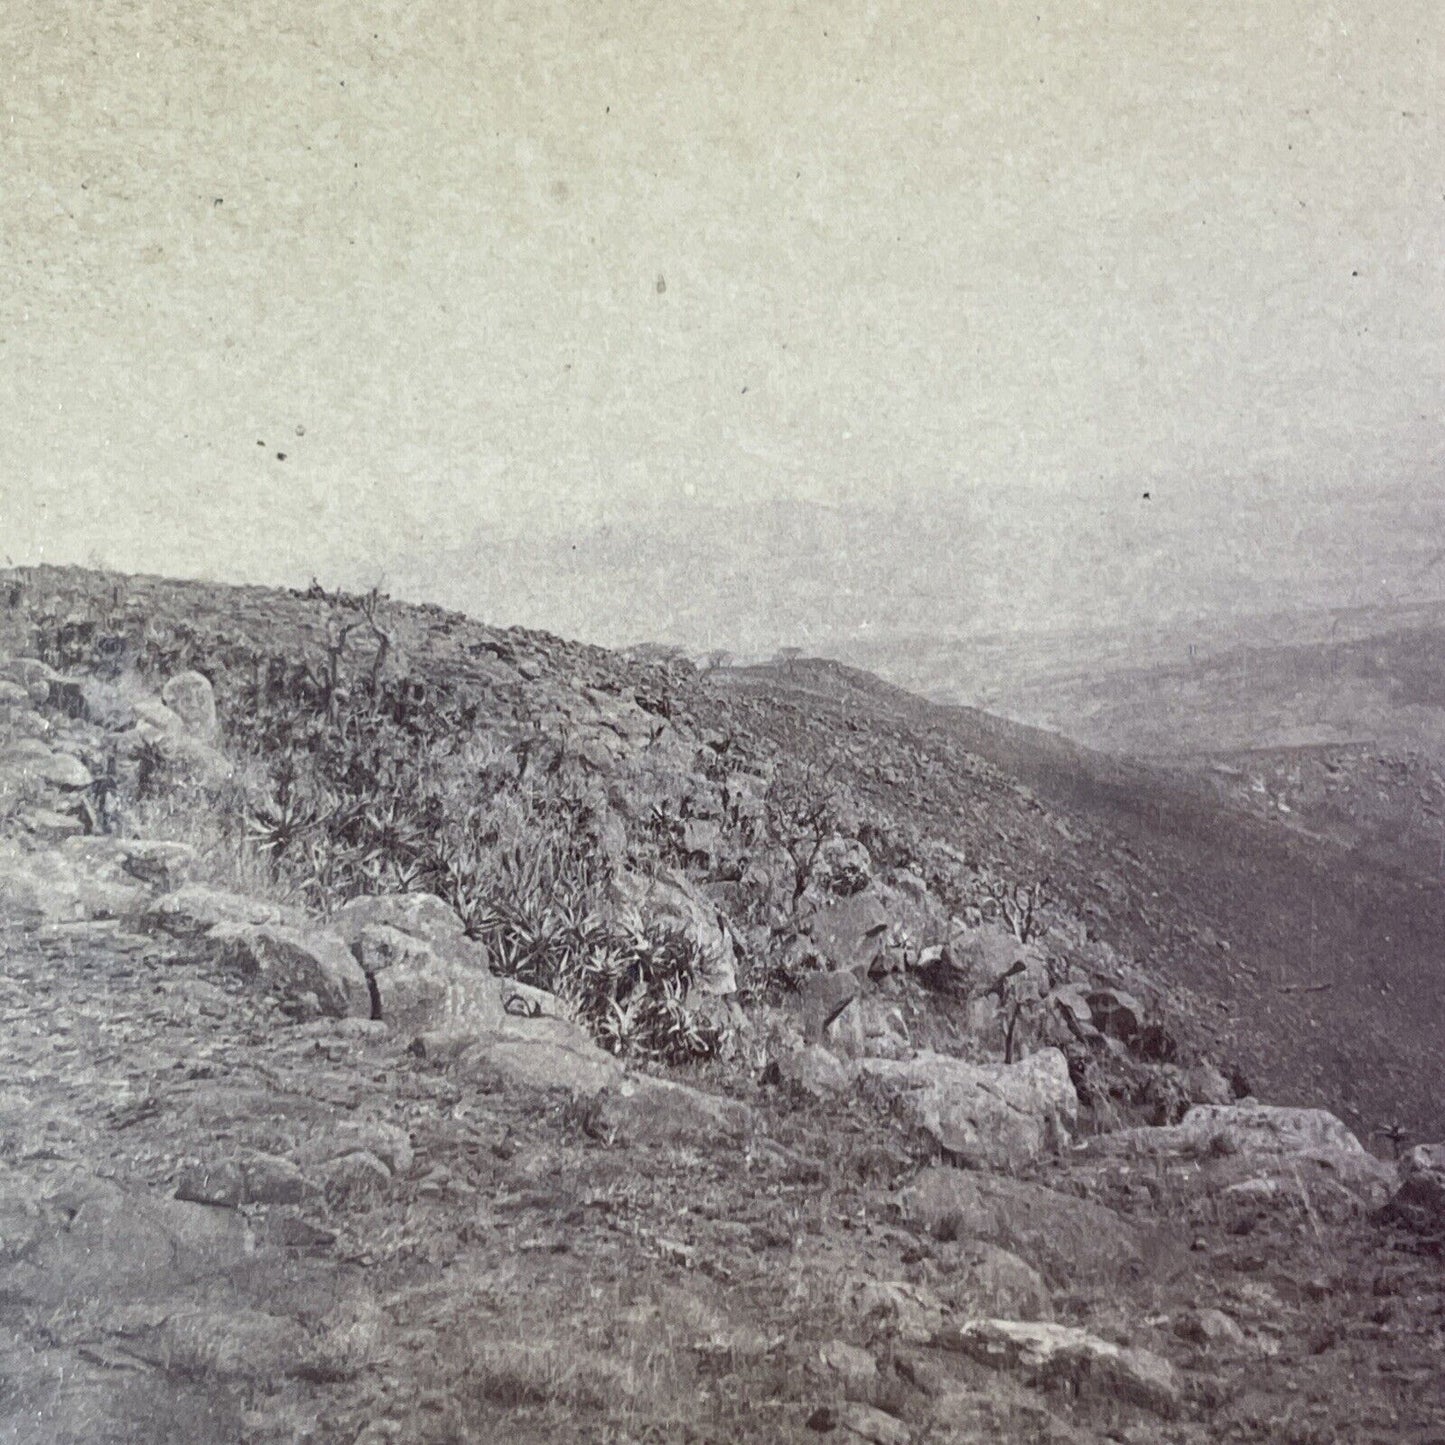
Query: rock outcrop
{"points": [[999, 1116]]}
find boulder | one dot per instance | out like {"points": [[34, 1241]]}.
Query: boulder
{"points": [[537, 1053], [1264, 1153], [13, 695], [387, 1142], [822, 998], [1209, 1329], [46, 823], [44, 885], [77, 1237], [191, 912], [844, 867], [895, 1310], [1419, 1202], [189, 696], [61, 770], [986, 1279], [1066, 1238], [1047, 1354], [854, 1369], [297, 964], [31, 674], [643, 1110], [191, 762], [1115, 1013], [999, 1116], [813, 1070], [230, 1344], [155, 720], [868, 1425], [423, 915], [418, 991], [357, 1180], [156, 863], [852, 933], [249, 1178]]}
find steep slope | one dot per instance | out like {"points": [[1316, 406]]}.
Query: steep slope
{"points": [[421, 1032], [1320, 966]]}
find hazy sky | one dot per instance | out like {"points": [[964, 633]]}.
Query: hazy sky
{"points": [[732, 323]]}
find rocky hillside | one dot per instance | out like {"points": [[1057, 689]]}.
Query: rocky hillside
{"points": [[427, 1032]]}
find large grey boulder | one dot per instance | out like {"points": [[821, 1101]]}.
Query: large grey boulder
{"points": [[72, 1236], [45, 885], [998, 1116], [153, 862], [298, 964]]}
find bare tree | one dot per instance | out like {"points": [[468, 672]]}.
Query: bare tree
{"points": [[1018, 905], [802, 814]]}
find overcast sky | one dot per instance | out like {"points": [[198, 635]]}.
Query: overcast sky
{"points": [[736, 324]]}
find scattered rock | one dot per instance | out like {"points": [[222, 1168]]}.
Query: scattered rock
{"points": [[986, 1115], [1061, 1355], [1209, 1328], [189, 696], [356, 1181], [855, 1369], [877, 1427]]}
